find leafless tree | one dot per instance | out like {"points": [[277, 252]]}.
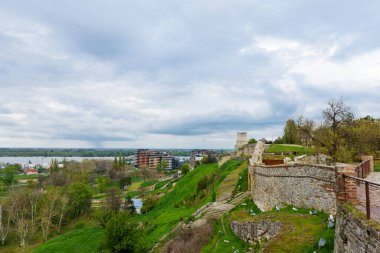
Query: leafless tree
{"points": [[23, 210], [5, 220]]}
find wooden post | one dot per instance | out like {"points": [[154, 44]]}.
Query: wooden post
{"points": [[367, 200]]}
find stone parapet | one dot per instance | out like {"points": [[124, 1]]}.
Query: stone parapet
{"points": [[309, 186]]}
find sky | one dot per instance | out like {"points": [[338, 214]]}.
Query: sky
{"points": [[179, 74]]}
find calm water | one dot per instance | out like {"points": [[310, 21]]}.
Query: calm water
{"points": [[138, 204], [45, 160]]}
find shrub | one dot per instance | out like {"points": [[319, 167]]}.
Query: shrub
{"points": [[123, 235]]}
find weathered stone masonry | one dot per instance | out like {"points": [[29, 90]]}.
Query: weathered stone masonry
{"points": [[302, 185], [354, 235]]}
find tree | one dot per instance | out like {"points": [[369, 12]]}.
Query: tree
{"points": [[113, 199], [163, 165], [185, 168], [125, 181], [23, 211], [336, 116], [5, 220], [291, 133], [54, 166], [49, 210], [252, 141], [148, 204], [80, 197], [101, 183], [129, 206], [123, 235], [8, 175]]}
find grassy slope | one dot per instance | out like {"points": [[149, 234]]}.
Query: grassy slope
{"points": [[165, 216], [229, 175], [84, 239], [223, 232]]}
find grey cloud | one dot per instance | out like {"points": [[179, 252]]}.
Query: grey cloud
{"points": [[105, 72]]}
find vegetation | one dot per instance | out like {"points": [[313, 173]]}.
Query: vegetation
{"points": [[252, 141], [292, 148], [299, 232], [377, 165], [190, 240], [224, 240], [84, 239], [123, 235], [339, 135]]}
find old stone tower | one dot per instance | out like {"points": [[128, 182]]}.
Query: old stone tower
{"points": [[241, 140]]}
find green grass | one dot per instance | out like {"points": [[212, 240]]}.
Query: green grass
{"points": [[80, 240], [148, 183], [299, 232], [165, 216], [23, 177], [169, 209], [243, 182], [377, 166], [300, 150], [229, 176], [221, 233]]}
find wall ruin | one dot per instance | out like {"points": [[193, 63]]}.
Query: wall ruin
{"points": [[301, 185]]}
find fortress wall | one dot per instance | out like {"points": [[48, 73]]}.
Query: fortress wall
{"points": [[301, 185], [354, 234]]}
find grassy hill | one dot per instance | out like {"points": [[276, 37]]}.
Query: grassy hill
{"points": [[79, 240], [172, 207]]}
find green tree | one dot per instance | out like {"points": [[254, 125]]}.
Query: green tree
{"points": [[129, 206], [291, 133], [123, 235], [8, 175], [185, 168], [163, 165], [252, 141], [101, 183], [80, 196]]}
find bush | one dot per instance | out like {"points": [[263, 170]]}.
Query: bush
{"points": [[80, 196], [252, 141], [148, 205], [123, 235]]}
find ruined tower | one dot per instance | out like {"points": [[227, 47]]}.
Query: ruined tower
{"points": [[241, 139]]}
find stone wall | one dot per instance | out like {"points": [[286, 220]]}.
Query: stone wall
{"points": [[354, 235], [255, 230], [302, 185]]}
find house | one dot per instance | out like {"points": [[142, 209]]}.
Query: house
{"points": [[31, 171]]}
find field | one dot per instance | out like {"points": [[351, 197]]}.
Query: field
{"points": [[300, 150]]}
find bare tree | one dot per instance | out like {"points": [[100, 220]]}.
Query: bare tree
{"points": [[49, 209], [23, 210], [5, 220], [337, 114], [63, 208]]}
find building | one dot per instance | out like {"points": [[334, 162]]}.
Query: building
{"points": [[170, 160], [241, 140], [142, 158], [31, 171], [154, 161]]}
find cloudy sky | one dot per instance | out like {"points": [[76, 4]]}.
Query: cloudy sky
{"points": [[179, 74]]}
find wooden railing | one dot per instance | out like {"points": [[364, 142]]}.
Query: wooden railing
{"points": [[363, 169], [368, 186]]}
